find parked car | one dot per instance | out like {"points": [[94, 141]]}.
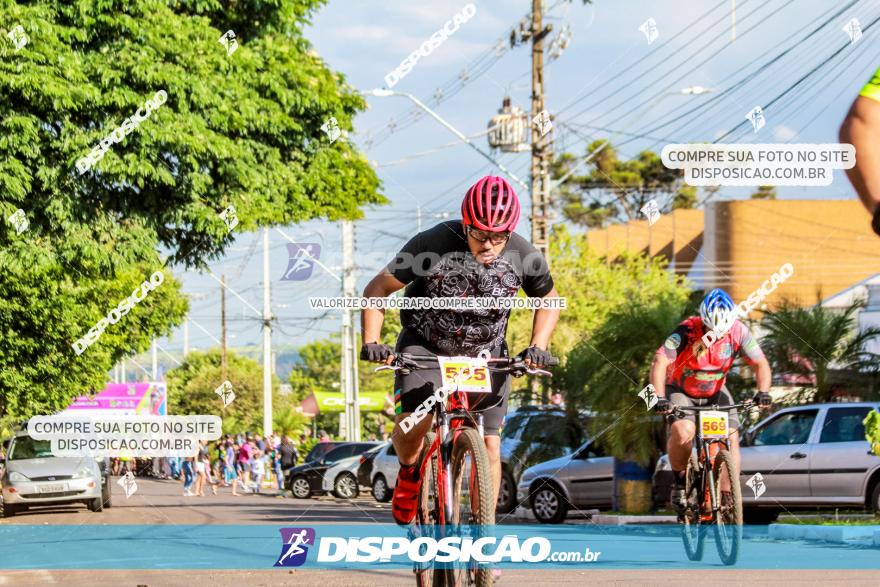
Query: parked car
{"points": [[530, 422], [814, 455], [318, 476], [383, 473], [341, 478], [576, 481], [33, 477], [322, 448]]}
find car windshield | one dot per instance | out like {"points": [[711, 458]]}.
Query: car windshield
{"points": [[319, 450], [25, 447]]}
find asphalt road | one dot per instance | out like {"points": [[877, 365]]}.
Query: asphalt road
{"points": [[162, 502]]}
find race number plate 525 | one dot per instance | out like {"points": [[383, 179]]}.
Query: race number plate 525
{"points": [[713, 424], [466, 373]]}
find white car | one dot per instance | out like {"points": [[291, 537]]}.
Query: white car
{"points": [[341, 478], [384, 473]]}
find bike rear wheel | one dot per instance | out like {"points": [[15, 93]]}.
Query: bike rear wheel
{"points": [[693, 533], [729, 517], [472, 500]]}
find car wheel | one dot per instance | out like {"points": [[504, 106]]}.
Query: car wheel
{"points": [[9, 510], [96, 505], [299, 486], [380, 488], [549, 505], [875, 500], [345, 486], [506, 494]]}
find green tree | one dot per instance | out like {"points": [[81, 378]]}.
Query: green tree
{"points": [[608, 370], [613, 189], [813, 341], [191, 390], [241, 129]]}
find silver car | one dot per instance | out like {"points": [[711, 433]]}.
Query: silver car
{"points": [[583, 479], [34, 477], [814, 455]]}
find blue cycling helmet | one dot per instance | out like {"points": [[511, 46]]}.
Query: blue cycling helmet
{"points": [[717, 310]]}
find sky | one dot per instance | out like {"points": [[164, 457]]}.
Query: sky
{"points": [[609, 82]]}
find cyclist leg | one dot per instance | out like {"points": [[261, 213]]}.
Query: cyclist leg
{"points": [[410, 391], [724, 398], [679, 444]]}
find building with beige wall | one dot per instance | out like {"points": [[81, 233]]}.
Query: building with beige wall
{"points": [[739, 244]]}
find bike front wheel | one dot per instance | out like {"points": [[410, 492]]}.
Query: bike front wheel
{"points": [[729, 517], [472, 500], [428, 515]]}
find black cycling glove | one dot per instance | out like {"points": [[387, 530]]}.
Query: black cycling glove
{"points": [[375, 352], [662, 406], [539, 357], [763, 399]]}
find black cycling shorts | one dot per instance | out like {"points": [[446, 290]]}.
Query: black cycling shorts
{"points": [[413, 389], [721, 398]]}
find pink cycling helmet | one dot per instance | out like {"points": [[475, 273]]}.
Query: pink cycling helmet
{"points": [[491, 205]]}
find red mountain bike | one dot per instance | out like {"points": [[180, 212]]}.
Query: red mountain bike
{"points": [[708, 471], [456, 486]]}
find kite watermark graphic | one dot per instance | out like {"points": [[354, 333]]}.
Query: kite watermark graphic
{"points": [[650, 30], [225, 392], [228, 41], [649, 395], [854, 29], [543, 122], [652, 211], [756, 483], [19, 221], [18, 37], [756, 117], [229, 217], [331, 129], [128, 484]]}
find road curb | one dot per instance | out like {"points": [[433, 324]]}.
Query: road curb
{"points": [[836, 534]]}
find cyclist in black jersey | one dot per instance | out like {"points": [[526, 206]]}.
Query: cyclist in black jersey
{"points": [[478, 256]]}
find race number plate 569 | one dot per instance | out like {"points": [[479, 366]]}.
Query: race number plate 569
{"points": [[713, 424], [466, 373]]}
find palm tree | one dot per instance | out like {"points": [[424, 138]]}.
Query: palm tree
{"points": [[813, 341]]}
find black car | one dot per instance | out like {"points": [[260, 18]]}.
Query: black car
{"points": [[365, 469], [308, 479]]}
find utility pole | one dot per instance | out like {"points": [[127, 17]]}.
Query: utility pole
{"points": [[541, 154], [540, 145], [223, 326], [352, 415], [155, 361], [267, 341]]}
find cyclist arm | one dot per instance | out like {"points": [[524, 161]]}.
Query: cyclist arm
{"points": [[757, 362], [658, 373], [544, 323], [861, 128], [383, 285]]}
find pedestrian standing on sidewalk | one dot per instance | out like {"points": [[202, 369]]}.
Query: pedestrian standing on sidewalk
{"points": [[259, 469], [244, 461], [187, 476]]}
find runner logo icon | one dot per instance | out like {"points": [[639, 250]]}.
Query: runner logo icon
{"points": [[294, 548]]}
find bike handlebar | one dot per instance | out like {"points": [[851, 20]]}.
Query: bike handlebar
{"points": [[678, 410], [513, 365]]}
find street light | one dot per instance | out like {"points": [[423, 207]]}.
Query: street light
{"points": [[383, 93]]}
